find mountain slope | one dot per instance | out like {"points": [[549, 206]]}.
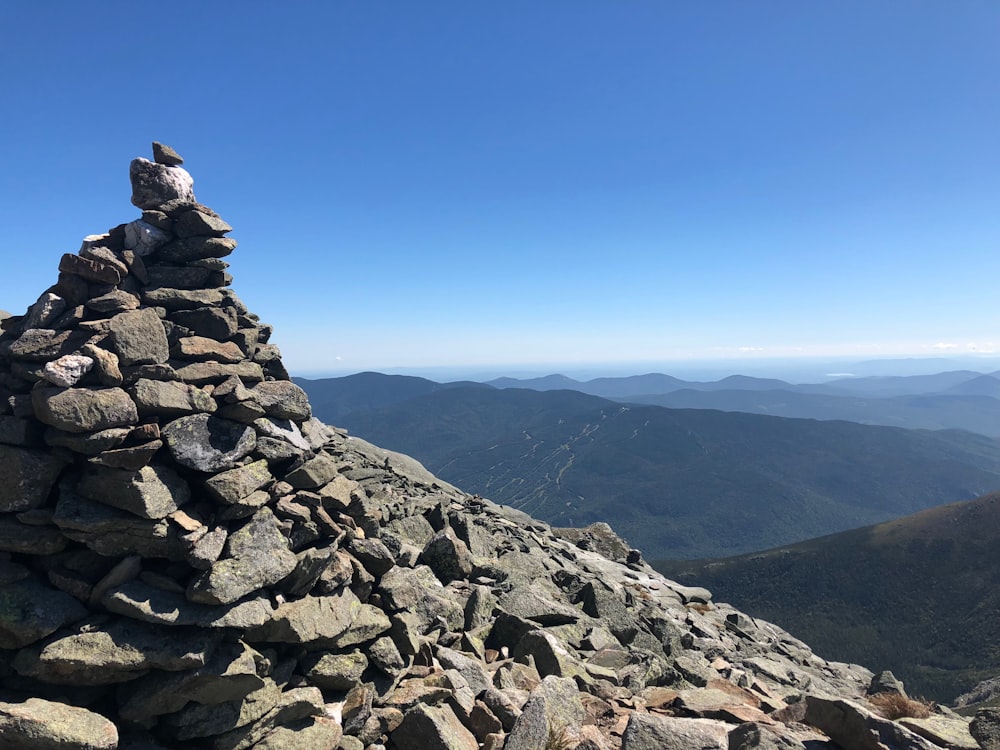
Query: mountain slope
{"points": [[679, 483], [974, 412], [919, 595]]}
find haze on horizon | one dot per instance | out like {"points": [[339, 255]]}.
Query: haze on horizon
{"points": [[445, 185]]}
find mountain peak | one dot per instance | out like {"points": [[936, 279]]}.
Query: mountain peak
{"points": [[191, 560]]}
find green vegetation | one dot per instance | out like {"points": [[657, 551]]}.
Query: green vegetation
{"points": [[918, 595]]}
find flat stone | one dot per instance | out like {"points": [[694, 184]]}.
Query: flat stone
{"points": [[202, 348], [94, 271], [170, 398], [943, 731], [156, 184], [87, 443], [183, 299], [120, 651], [141, 601], [31, 610], [43, 345], [196, 248], [109, 531], [208, 444], [84, 409], [139, 338], [315, 472], [284, 430], [234, 485], [196, 223], [113, 302], [230, 674], [39, 724], [67, 371], [201, 373], [196, 720], [152, 492], [310, 618], [258, 555], [30, 540], [282, 399], [27, 477]]}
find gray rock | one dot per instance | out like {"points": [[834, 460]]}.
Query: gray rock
{"points": [[282, 399], [184, 299], [384, 655], [284, 430], [334, 671], [30, 540], [434, 728], [27, 477], [202, 348], [420, 593], [105, 364], [155, 184], [141, 601], [84, 409], [230, 674], [197, 720], [87, 443], [472, 671], [31, 610], [48, 307], [195, 223], [39, 724], [43, 345], [94, 271], [257, 556], [119, 652], [112, 532], [373, 555], [196, 248], [447, 556], [553, 710], [139, 338], [985, 728], [315, 472], [143, 238], [152, 492], [67, 371], [234, 485], [163, 154], [178, 277], [170, 398], [951, 732], [317, 733], [850, 725], [309, 619], [19, 432], [213, 372], [656, 732], [208, 444], [115, 301], [886, 682]]}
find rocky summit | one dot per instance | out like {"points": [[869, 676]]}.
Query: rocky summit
{"points": [[191, 560]]}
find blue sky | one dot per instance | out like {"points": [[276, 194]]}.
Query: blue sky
{"points": [[496, 184]]}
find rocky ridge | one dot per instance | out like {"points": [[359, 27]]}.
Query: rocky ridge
{"points": [[188, 559]]}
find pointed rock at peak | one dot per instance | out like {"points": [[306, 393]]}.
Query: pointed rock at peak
{"points": [[164, 154]]}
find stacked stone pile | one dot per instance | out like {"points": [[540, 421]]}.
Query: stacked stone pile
{"points": [[189, 560]]}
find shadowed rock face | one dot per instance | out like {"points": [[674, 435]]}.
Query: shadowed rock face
{"points": [[189, 560]]}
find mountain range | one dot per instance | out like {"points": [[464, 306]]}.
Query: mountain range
{"points": [[678, 483], [919, 595]]}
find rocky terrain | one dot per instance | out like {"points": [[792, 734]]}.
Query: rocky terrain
{"points": [[190, 560]]}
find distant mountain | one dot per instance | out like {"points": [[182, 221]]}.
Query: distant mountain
{"points": [[984, 385], [950, 410], [677, 483], [334, 397], [919, 595], [910, 385]]}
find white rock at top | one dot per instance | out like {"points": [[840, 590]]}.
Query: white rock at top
{"points": [[143, 237]]}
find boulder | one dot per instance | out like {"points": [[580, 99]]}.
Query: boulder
{"points": [[84, 409], [38, 724], [138, 337], [155, 184], [208, 444]]}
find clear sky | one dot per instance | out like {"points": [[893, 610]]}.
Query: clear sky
{"points": [[425, 184]]}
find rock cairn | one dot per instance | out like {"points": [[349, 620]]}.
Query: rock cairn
{"points": [[189, 560]]}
